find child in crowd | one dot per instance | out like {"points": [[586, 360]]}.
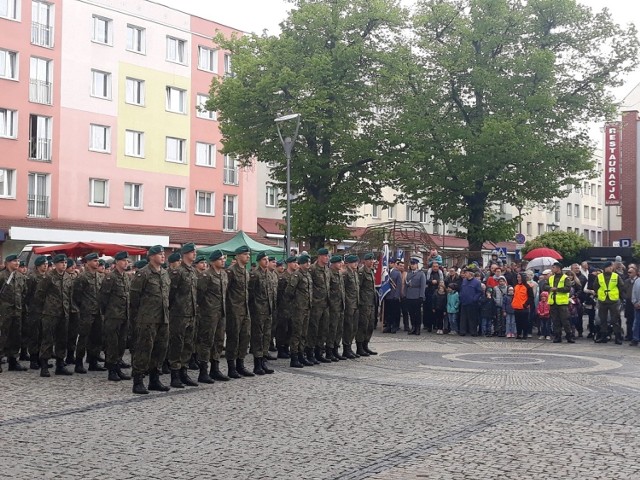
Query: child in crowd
{"points": [[439, 306], [544, 317], [509, 313], [487, 312], [453, 308], [574, 311]]}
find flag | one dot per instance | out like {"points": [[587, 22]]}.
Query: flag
{"points": [[385, 284]]}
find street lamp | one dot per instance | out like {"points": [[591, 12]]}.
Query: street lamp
{"points": [[287, 144], [553, 227]]}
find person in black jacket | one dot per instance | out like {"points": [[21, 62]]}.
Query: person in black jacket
{"points": [[488, 312], [439, 307]]}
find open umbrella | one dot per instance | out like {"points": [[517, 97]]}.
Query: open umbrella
{"points": [[542, 252], [541, 263], [79, 249]]}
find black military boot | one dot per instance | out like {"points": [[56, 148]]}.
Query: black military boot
{"points": [[23, 355], [155, 383], [310, 356], [618, 342], [80, 366], [204, 374], [265, 366], [120, 373], [257, 366], [71, 358], [231, 369], [193, 362], [360, 351], [94, 366], [34, 362], [61, 369], [242, 369], [14, 366], [166, 369], [113, 375], [569, 338], [283, 352], [44, 367], [215, 372], [138, 385], [320, 357], [336, 353], [295, 362], [328, 353], [303, 360], [347, 352], [186, 379], [175, 379], [365, 347]]}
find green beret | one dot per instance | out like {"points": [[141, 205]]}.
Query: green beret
{"points": [[351, 259], [90, 256], [41, 260], [155, 250], [70, 262], [302, 259], [323, 251], [242, 249], [187, 248], [215, 255], [61, 257], [22, 263], [272, 259], [121, 256], [140, 264], [101, 263], [261, 255], [200, 258], [279, 263], [291, 259], [174, 257], [369, 256], [336, 259], [107, 264], [11, 258]]}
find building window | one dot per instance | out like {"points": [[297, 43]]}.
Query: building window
{"points": [[586, 213], [230, 212], [133, 196], [540, 228], [201, 108], [134, 143], [100, 138], [41, 81], [101, 84], [391, 212], [423, 216], [576, 231], [529, 229], [576, 210], [176, 150], [227, 64], [204, 203], [38, 195], [599, 217], [42, 18], [599, 193], [375, 211], [39, 138], [134, 91], [10, 9], [176, 50], [136, 39], [208, 59], [230, 170], [205, 154], [599, 239], [408, 213], [556, 209], [618, 211], [99, 192], [593, 193], [176, 100], [8, 123], [174, 199], [593, 213], [271, 199], [585, 233], [569, 209], [7, 183], [436, 227], [102, 30], [8, 64]]}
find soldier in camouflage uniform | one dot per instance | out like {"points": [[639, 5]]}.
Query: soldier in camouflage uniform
{"points": [[238, 318], [182, 317], [33, 327], [261, 307], [274, 275], [53, 296], [336, 309], [352, 300], [366, 319], [319, 318], [74, 317], [114, 305], [284, 310], [149, 308], [86, 288], [299, 295], [12, 291]]}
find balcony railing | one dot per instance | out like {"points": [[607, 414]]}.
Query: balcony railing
{"points": [[40, 149], [40, 91], [41, 34], [38, 206]]}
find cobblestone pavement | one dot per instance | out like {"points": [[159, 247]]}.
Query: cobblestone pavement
{"points": [[436, 407]]}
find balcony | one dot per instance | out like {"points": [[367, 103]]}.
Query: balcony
{"points": [[40, 149], [38, 206], [41, 34], [40, 91]]}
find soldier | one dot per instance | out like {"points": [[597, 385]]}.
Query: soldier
{"points": [[280, 267], [12, 290], [149, 306], [352, 300], [238, 319], [114, 305], [560, 286], [33, 326], [299, 294], [182, 319], [607, 288], [174, 260], [261, 307], [319, 319], [54, 297], [74, 317], [336, 309], [273, 275], [200, 264], [283, 312], [366, 318]]}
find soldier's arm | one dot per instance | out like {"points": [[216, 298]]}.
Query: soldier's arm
{"points": [[41, 291], [105, 293], [290, 289], [175, 285], [138, 284], [78, 288]]}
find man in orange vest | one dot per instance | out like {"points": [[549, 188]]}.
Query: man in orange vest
{"points": [[559, 288]]}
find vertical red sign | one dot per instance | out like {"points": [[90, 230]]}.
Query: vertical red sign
{"points": [[612, 164]]}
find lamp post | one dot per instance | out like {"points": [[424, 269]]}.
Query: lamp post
{"points": [[287, 144], [553, 227]]}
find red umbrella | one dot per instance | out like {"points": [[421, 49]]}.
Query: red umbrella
{"points": [[543, 252], [79, 249]]}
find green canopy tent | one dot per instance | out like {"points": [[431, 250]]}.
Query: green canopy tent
{"points": [[241, 239]]}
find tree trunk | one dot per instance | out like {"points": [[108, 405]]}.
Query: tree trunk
{"points": [[475, 234], [316, 242]]}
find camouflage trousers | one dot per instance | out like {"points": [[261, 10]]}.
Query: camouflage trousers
{"points": [[334, 331], [10, 334], [210, 336], [32, 331], [350, 325], [283, 330], [181, 341], [238, 335], [72, 331], [366, 323], [89, 336], [115, 338], [150, 347], [260, 334], [54, 337], [318, 325], [299, 325]]}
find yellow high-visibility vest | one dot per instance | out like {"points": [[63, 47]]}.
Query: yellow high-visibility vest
{"points": [[558, 298], [611, 290]]}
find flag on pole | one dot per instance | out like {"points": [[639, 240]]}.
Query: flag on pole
{"points": [[385, 284]]}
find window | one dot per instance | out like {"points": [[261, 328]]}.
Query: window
{"points": [[39, 138], [585, 233], [208, 59], [176, 150], [599, 217], [423, 216], [599, 193], [227, 64], [10, 9], [99, 192], [41, 81], [540, 228], [176, 99], [585, 188], [569, 229], [599, 239], [230, 213], [134, 143], [592, 236], [375, 211], [391, 212], [42, 23], [593, 191], [135, 39], [556, 210], [593, 213], [8, 64], [100, 138], [205, 154], [176, 50], [8, 123], [576, 210], [102, 30], [101, 84], [271, 196], [618, 211], [204, 203], [7, 183], [201, 108], [586, 213], [569, 209], [38, 195], [408, 212], [174, 199], [576, 231], [230, 170], [436, 227], [133, 196], [134, 93], [529, 229]]}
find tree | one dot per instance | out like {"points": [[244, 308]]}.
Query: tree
{"points": [[570, 245], [325, 65], [495, 96]]}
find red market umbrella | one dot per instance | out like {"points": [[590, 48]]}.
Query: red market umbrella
{"points": [[79, 249], [542, 252]]}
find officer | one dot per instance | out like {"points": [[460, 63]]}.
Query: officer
{"points": [[299, 294], [182, 319], [238, 319], [319, 318], [74, 317], [559, 288], [366, 319], [114, 305], [415, 285], [261, 307], [33, 327], [351, 302], [336, 309], [54, 297], [283, 316], [607, 288], [149, 308], [12, 290]]}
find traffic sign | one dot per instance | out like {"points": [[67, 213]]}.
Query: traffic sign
{"points": [[625, 242], [502, 252], [520, 238]]}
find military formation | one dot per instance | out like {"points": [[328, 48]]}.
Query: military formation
{"points": [[184, 313]]}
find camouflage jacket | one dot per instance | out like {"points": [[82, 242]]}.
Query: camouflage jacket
{"points": [[33, 279], [114, 295], [85, 291], [53, 294], [351, 288], [183, 299], [212, 291], [299, 291], [12, 292], [321, 284], [149, 296], [238, 291], [367, 286], [283, 302], [273, 275], [261, 292], [336, 290]]}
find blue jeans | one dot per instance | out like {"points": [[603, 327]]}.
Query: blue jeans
{"points": [[511, 323], [453, 321], [636, 326], [487, 324], [545, 326]]}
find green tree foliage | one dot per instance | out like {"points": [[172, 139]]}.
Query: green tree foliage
{"points": [[492, 98], [326, 65], [568, 244]]}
